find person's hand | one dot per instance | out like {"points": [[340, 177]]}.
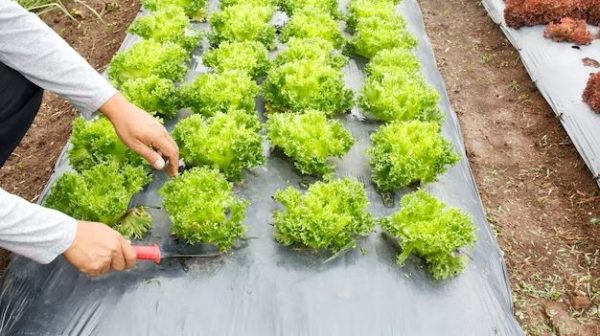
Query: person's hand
{"points": [[142, 133], [97, 249]]}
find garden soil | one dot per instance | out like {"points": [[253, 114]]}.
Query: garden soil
{"points": [[540, 197]]}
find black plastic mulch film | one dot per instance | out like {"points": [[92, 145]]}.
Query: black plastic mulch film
{"points": [[560, 75], [267, 289]]}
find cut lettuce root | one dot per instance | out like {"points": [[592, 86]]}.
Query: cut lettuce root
{"points": [[135, 224]]}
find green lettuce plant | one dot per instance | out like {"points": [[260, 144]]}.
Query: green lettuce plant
{"points": [[394, 61], [306, 84], [146, 58], [309, 139], [362, 9], [373, 35], [219, 92], [329, 216], [229, 142], [250, 57], [426, 227], [102, 194], [203, 209], [313, 23], [243, 23], [169, 24], [195, 9], [315, 49], [157, 96], [95, 143], [404, 153], [400, 96], [228, 3], [291, 7]]}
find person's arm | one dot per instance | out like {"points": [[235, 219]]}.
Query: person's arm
{"points": [[42, 56], [29, 46], [43, 234], [51, 235], [32, 48]]}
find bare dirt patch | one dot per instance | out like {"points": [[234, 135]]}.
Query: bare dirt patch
{"points": [[28, 169], [541, 199]]}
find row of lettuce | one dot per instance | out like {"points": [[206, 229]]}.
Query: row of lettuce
{"points": [[304, 92]]}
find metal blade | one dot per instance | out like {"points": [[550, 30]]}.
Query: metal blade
{"points": [[206, 255]]}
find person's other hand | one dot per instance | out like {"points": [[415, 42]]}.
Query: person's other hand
{"points": [[97, 249], [142, 133]]}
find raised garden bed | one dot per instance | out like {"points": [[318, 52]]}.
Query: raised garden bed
{"points": [[264, 288]]}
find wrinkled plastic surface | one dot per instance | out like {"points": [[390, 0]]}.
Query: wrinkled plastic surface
{"points": [[263, 288], [558, 72]]}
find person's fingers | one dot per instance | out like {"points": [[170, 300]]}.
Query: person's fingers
{"points": [[149, 155], [128, 254], [118, 260], [169, 150], [99, 267], [104, 269]]}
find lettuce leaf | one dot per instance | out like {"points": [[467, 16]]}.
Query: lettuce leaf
{"points": [[429, 229], [330, 215], [228, 142], [409, 152], [203, 209], [309, 139], [211, 93]]}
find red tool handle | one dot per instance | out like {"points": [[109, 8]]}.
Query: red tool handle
{"points": [[148, 252]]}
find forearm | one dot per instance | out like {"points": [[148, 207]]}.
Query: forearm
{"points": [[32, 48], [34, 231]]}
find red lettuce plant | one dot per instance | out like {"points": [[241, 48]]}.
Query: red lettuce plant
{"points": [[569, 30]]}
